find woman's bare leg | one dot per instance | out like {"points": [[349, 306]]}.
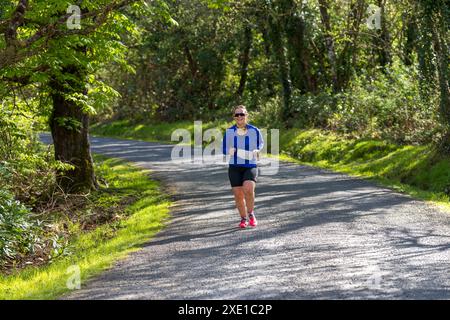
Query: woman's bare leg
{"points": [[249, 194], [239, 198]]}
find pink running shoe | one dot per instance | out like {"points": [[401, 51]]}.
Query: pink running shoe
{"points": [[244, 223], [253, 221]]}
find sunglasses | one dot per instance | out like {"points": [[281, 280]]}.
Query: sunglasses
{"points": [[239, 115]]}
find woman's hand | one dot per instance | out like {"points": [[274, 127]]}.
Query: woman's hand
{"points": [[256, 154], [232, 151]]}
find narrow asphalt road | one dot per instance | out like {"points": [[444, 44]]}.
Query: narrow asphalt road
{"points": [[321, 235]]}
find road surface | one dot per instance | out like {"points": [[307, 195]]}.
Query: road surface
{"points": [[321, 235]]}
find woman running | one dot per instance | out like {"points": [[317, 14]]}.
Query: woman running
{"points": [[243, 142]]}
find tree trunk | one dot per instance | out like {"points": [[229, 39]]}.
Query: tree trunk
{"points": [[245, 59], [383, 40], [411, 36], [442, 54], [300, 66], [269, 55], [435, 26], [329, 43], [279, 52], [195, 87], [69, 126], [347, 58]]}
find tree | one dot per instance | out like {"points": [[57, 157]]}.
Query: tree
{"points": [[245, 59], [434, 32], [329, 42], [298, 48], [382, 40], [276, 33], [38, 47]]}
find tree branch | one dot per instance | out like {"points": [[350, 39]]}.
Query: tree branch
{"points": [[50, 31], [25, 79], [14, 52], [14, 23]]}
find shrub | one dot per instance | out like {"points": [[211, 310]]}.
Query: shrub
{"points": [[19, 233], [27, 182], [312, 110], [26, 165], [269, 114], [386, 106]]}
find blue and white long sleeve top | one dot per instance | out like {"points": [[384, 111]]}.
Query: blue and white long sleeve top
{"points": [[244, 144]]}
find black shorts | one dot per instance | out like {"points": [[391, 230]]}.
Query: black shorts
{"points": [[238, 175]]}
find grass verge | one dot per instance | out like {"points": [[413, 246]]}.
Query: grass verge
{"points": [[93, 251], [415, 170]]}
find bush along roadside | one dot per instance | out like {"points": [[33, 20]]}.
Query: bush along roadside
{"points": [[418, 170], [97, 229]]}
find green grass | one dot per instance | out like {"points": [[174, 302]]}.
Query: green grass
{"points": [[415, 170], [94, 251]]}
